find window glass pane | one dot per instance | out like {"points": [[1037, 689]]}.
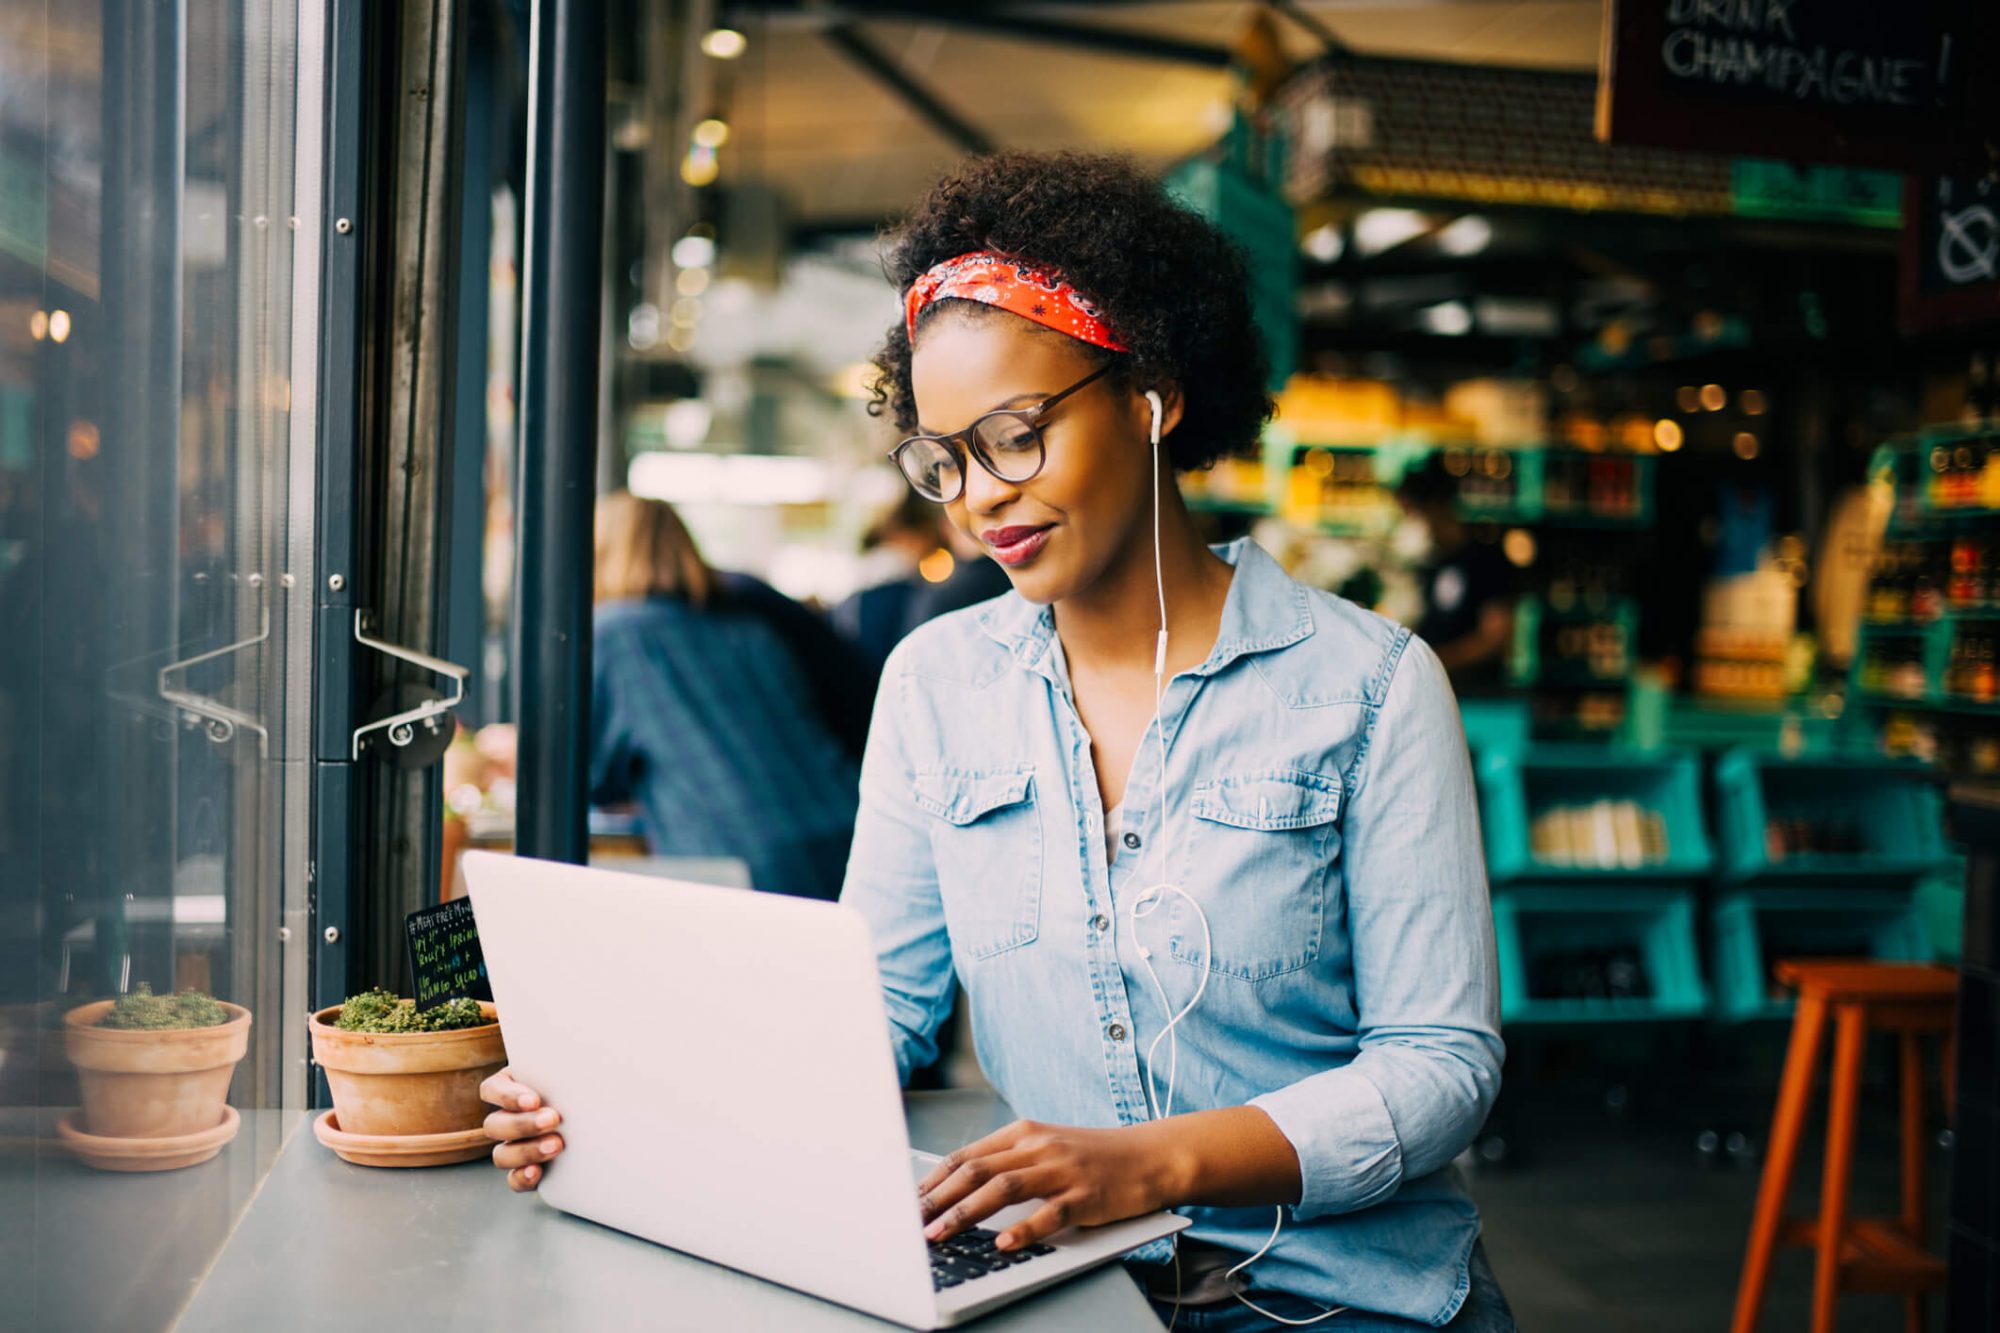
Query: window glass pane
{"points": [[154, 636]]}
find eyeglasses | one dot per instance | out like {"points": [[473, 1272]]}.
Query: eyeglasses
{"points": [[1007, 443]]}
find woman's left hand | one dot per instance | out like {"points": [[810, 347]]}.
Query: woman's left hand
{"points": [[1083, 1177]]}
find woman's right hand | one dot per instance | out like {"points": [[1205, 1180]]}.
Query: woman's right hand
{"points": [[521, 1127]]}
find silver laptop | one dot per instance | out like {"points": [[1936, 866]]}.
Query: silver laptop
{"points": [[722, 1063]]}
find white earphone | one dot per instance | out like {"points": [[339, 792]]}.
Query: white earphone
{"points": [[1149, 901]]}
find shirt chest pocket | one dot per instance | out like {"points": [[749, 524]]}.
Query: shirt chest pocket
{"points": [[1260, 861], [986, 837]]}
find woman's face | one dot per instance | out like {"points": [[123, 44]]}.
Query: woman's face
{"points": [[1057, 533]]}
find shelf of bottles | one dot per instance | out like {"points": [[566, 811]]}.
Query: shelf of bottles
{"points": [[1349, 489], [1929, 656], [1346, 490], [1574, 646], [1552, 487], [1960, 470], [1575, 639], [1597, 490], [1584, 641]]}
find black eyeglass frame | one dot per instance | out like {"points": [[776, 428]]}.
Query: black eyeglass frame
{"points": [[959, 444]]}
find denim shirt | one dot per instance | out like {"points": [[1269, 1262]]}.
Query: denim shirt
{"points": [[1319, 806]]}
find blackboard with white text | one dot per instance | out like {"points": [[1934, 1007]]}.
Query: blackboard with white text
{"points": [[1951, 252], [446, 962], [1863, 82]]}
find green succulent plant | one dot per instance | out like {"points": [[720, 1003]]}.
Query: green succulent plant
{"points": [[141, 1010], [378, 1011]]}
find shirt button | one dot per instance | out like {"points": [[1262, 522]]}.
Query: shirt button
{"points": [[1116, 1032], [1100, 922], [1132, 841]]}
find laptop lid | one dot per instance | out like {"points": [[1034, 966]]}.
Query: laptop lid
{"points": [[722, 1063]]}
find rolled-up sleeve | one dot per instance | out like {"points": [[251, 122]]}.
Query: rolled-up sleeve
{"points": [[1425, 977], [892, 880]]}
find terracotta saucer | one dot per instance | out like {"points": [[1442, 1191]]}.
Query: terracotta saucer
{"points": [[463, 1145], [168, 1154]]}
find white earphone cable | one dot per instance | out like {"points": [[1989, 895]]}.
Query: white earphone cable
{"points": [[1276, 1227], [1150, 900]]}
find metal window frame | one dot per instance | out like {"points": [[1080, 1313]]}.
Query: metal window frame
{"points": [[384, 494]]}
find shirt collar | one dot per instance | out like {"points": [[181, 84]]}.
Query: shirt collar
{"points": [[1266, 609]]}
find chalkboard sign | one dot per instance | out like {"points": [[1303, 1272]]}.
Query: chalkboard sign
{"points": [[446, 961], [1951, 252], [1885, 83]]}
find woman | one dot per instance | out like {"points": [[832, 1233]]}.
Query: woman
{"points": [[704, 714], [1161, 784]]}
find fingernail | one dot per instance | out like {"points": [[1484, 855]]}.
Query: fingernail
{"points": [[934, 1230], [545, 1119], [1005, 1242], [529, 1173], [529, 1101], [550, 1144]]}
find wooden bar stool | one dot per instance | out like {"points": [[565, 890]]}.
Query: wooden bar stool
{"points": [[1883, 1254]]}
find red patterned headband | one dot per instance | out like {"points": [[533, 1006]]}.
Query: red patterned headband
{"points": [[1014, 285]]}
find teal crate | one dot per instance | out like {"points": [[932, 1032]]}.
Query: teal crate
{"points": [[1532, 922], [1892, 806], [1713, 724], [1515, 787], [1752, 928], [1494, 724], [1941, 906]]}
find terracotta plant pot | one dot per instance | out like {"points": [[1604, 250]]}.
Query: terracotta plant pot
{"points": [[155, 1083], [465, 1145], [166, 1154], [399, 1083]]}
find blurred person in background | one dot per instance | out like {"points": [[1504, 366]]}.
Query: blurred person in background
{"points": [[1468, 617], [704, 715], [876, 618], [974, 578], [913, 533]]}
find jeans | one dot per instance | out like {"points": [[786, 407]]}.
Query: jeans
{"points": [[1484, 1311]]}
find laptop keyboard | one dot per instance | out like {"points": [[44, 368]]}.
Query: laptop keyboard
{"points": [[970, 1254]]}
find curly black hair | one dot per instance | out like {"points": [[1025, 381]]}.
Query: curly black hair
{"points": [[1172, 286]]}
